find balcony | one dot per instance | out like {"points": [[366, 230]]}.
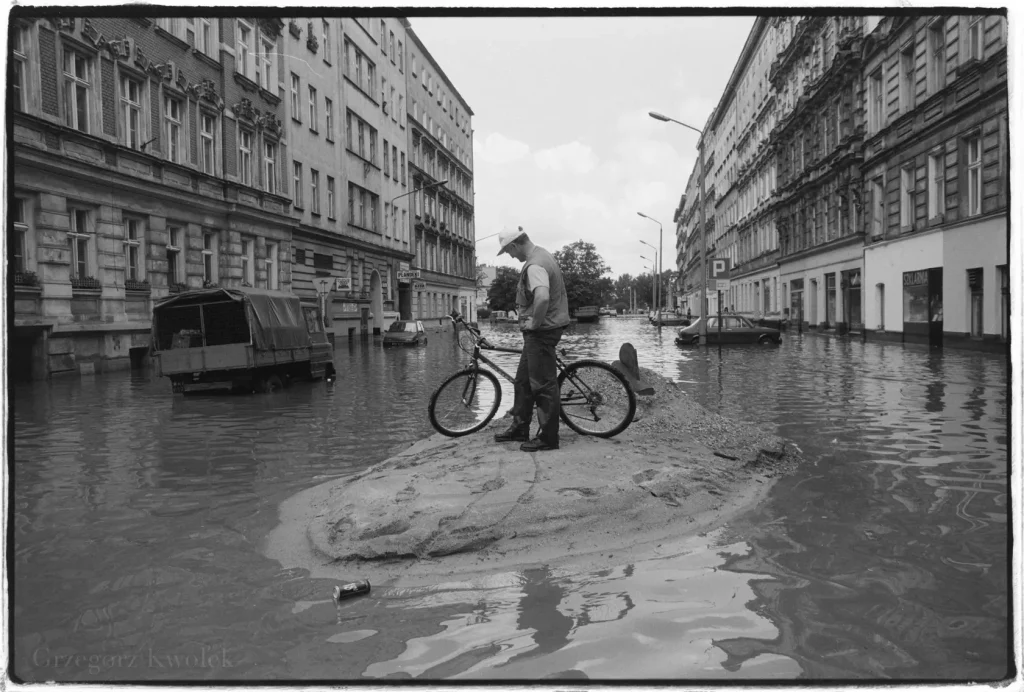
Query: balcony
{"points": [[25, 278]]}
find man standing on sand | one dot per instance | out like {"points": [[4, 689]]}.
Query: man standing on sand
{"points": [[543, 316]]}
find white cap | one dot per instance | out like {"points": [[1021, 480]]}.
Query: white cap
{"points": [[507, 235]]}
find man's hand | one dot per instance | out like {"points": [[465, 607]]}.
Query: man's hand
{"points": [[541, 298]]}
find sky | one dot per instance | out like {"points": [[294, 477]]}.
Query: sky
{"points": [[563, 144]]}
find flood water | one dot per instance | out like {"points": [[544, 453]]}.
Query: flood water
{"points": [[139, 518]]}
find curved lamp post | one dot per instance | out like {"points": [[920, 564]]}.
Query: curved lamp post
{"points": [[656, 284], [703, 330], [661, 235]]}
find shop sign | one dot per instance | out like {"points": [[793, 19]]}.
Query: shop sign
{"points": [[918, 278], [419, 285], [350, 307]]}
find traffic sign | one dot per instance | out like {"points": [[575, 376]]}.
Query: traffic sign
{"points": [[342, 283], [406, 274], [720, 268]]}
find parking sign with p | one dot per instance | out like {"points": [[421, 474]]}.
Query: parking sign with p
{"points": [[719, 278]]}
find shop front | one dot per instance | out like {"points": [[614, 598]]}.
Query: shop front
{"points": [[922, 306]]}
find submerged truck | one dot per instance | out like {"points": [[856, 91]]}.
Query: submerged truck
{"points": [[244, 339]]}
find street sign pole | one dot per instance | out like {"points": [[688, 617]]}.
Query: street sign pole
{"points": [[719, 319]]}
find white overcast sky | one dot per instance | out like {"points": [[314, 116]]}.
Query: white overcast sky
{"points": [[563, 144]]}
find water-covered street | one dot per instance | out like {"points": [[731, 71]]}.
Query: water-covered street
{"points": [[140, 518]]}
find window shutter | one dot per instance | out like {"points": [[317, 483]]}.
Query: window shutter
{"points": [[974, 278]]}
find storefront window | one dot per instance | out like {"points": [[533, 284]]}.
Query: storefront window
{"points": [[915, 297], [830, 299]]}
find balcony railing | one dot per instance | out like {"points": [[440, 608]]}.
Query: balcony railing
{"points": [[85, 282], [25, 278]]}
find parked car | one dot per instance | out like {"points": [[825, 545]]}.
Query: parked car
{"points": [[405, 333], [735, 330], [243, 339]]}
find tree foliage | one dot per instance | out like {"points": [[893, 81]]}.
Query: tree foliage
{"points": [[502, 293], [583, 272]]}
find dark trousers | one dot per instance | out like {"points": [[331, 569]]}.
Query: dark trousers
{"points": [[536, 383]]}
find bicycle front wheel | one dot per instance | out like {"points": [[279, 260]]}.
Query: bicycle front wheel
{"points": [[596, 399], [465, 402]]}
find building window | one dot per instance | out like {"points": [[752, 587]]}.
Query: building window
{"points": [[372, 204], [172, 129], [133, 235], [386, 167], [131, 113], [296, 113], [207, 142], [405, 228], [373, 144], [245, 157], [402, 167], [412, 64], [974, 47], [877, 207], [387, 215], [906, 196], [19, 51], [392, 47], [401, 57], [312, 109], [329, 119], [265, 64], [973, 176], [314, 190], [77, 85], [401, 110], [210, 250], [204, 38], [937, 56], [270, 167], [326, 36], [908, 78], [348, 130], [78, 238], [975, 282], [391, 104], [243, 50], [394, 161], [936, 185], [248, 262], [330, 198], [272, 269], [18, 248], [394, 220], [876, 102], [175, 267], [297, 183]]}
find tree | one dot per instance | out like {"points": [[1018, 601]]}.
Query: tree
{"points": [[644, 290], [623, 288], [583, 272], [502, 293]]}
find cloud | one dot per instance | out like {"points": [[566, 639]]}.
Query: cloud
{"points": [[498, 149], [573, 157]]}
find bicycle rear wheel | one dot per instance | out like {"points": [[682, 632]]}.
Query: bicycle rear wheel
{"points": [[465, 402], [595, 399]]}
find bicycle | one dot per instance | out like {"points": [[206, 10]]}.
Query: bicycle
{"points": [[595, 397]]}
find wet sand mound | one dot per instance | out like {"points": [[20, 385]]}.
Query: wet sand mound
{"points": [[451, 506]]}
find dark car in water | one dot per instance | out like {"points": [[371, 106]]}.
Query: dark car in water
{"points": [[405, 333], [735, 330]]}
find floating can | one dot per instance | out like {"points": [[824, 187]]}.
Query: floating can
{"points": [[355, 588]]}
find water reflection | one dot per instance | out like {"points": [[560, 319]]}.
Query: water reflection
{"points": [[138, 518]]}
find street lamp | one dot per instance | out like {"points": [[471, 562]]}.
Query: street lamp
{"points": [[654, 285], [661, 246], [702, 330], [412, 192]]}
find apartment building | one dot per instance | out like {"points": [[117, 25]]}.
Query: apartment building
{"points": [[134, 174], [864, 188], [936, 180], [441, 169]]}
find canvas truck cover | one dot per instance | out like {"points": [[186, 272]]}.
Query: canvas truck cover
{"points": [[275, 317]]}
